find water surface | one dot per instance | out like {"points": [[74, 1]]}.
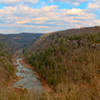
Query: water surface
{"points": [[27, 77]]}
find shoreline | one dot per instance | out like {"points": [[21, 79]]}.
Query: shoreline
{"points": [[43, 82], [16, 78]]}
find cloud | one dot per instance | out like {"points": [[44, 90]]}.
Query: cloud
{"points": [[42, 27], [95, 4], [17, 1], [74, 11], [73, 2], [46, 18], [49, 8], [40, 19], [68, 0], [23, 21]]}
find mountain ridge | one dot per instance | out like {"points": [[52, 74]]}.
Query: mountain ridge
{"points": [[70, 63], [77, 31], [18, 41]]}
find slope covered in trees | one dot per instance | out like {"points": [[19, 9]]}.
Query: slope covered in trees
{"points": [[6, 67], [9, 44], [69, 62], [18, 41]]}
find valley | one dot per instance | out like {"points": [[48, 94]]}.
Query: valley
{"points": [[27, 78], [62, 65]]}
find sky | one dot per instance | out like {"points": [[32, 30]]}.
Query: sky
{"points": [[44, 16]]}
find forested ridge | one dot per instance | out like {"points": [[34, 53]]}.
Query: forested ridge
{"points": [[19, 41], [69, 62], [9, 45], [6, 66]]}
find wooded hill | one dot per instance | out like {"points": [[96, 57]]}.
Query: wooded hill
{"points": [[9, 44], [18, 41], [6, 66], [69, 61]]}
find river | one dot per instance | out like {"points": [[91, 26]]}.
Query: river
{"points": [[27, 78]]}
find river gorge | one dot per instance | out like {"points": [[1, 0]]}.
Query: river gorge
{"points": [[27, 78]]}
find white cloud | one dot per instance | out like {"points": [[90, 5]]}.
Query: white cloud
{"points": [[17, 1], [69, 0], [74, 11], [20, 18], [73, 2], [94, 4], [23, 21]]}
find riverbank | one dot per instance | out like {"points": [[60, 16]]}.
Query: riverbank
{"points": [[14, 78], [43, 82]]}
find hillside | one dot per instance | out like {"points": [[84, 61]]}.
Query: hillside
{"points": [[9, 43], [6, 67], [18, 41], [51, 37], [69, 61]]}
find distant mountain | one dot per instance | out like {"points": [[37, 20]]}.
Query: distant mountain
{"points": [[8, 45], [17, 41]]}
